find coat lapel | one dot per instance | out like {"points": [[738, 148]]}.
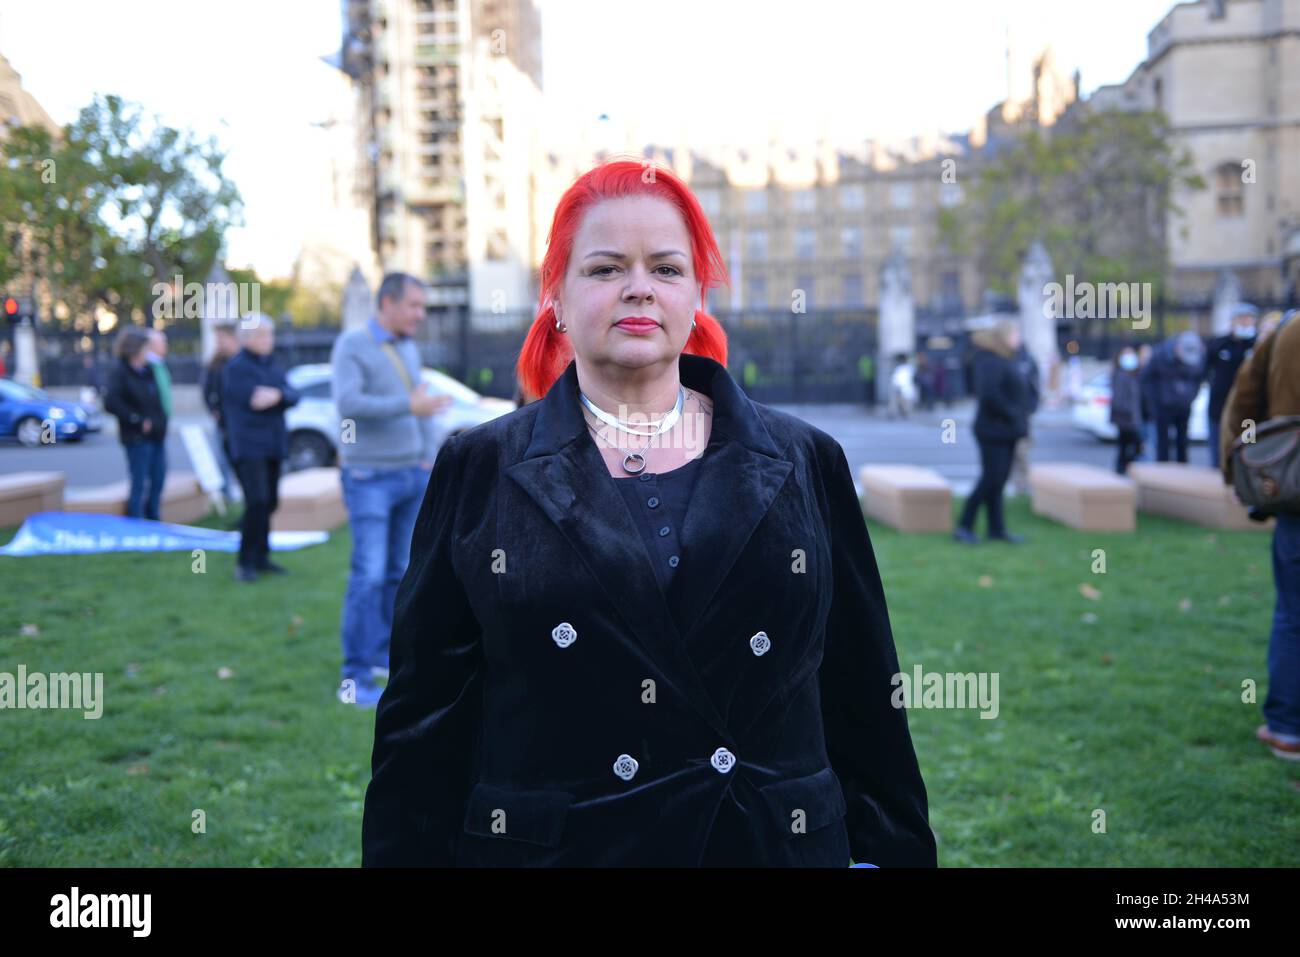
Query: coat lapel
{"points": [[742, 471]]}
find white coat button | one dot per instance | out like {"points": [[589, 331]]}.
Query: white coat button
{"points": [[760, 643], [722, 760], [625, 767], [564, 634]]}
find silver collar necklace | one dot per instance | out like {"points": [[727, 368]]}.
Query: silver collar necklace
{"points": [[634, 462]]}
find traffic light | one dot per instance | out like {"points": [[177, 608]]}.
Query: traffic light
{"points": [[16, 309]]}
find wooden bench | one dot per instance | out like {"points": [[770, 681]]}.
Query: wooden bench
{"points": [[310, 500], [906, 497], [183, 499], [26, 493], [1083, 496], [1194, 493]]}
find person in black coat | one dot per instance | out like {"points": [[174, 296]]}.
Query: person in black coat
{"points": [[1224, 356], [133, 397], [551, 702], [1126, 407], [1174, 376], [1005, 400], [254, 395]]}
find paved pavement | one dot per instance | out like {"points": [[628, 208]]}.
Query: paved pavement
{"points": [[868, 438]]}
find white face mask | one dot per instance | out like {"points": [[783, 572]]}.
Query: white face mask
{"points": [[1128, 361], [1244, 332]]}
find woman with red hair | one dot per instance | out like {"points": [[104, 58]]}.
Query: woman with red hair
{"points": [[642, 622]]}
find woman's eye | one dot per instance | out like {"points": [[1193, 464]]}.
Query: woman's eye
{"points": [[600, 270]]}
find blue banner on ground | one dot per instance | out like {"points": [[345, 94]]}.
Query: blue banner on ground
{"points": [[85, 533]]}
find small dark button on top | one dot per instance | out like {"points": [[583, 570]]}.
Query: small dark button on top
{"points": [[664, 530], [673, 560], [646, 477], [652, 502]]}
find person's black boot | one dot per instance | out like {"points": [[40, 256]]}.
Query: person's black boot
{"points": [[245, 574], [964, 534]]}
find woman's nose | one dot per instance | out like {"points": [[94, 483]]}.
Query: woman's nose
{"points": [[638, 283]]}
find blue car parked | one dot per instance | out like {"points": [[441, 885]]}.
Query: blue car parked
{"points": [[25, 410]]}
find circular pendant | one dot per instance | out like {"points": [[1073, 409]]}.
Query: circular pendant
{"points": [[634, 457]]}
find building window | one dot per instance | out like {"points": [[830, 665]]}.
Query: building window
{"points": [[756, 202], [805, 242], [900, 238], [710, 202], [852, 289], [756, 245], [805, 200], [900, 195], [851, 241], [853, 196], [950, 194], [1228, 189], [756, 292]]}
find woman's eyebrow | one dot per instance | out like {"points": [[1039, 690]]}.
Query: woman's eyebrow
{"points": [[613, 255]]}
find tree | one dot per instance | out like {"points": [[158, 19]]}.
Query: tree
{"points": [[1098, 191], [117, 205]]}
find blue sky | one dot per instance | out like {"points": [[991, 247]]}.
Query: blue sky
{"points": [[676, 71]]}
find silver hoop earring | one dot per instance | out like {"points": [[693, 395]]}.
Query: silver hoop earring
{"points": [[560, 327]]}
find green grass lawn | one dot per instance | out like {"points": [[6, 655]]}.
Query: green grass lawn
{"points": [[1128, 702]]}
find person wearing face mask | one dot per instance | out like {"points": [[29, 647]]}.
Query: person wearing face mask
{"points": [[1174, 375], [1126, 407], [1224, 356]]}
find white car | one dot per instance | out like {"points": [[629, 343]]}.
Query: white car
{"points": [[1092, 411], [313, 423]]}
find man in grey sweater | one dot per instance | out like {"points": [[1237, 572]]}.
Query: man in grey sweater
{"points": [[386, 447]]}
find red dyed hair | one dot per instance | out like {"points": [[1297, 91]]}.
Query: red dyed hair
{"points": [[546, 351]]}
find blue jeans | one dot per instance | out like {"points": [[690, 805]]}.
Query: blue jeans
{"points": [[382, 507], [1282, 706], [1213, 441], [146, 461]]}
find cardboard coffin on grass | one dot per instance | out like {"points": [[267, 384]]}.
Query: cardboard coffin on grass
{"points": [[1083, 496], [26, 493], [183, 500], [310, 500], [1193, 493], [906, 497]]}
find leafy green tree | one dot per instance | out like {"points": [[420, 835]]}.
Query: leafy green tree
{"points": [[1099, 190], [113, 207]]}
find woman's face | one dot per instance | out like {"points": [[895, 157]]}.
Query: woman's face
{"points": [[631, 258]]}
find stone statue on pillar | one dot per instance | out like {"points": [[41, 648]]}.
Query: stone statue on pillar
{"points": [[358, 303], [1038, 318], [1227, 293], [896, 330], [218, 306]]}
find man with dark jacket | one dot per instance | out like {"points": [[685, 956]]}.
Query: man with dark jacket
{"points": [[1174, 376], [1268, 386], [1224, 356], [254, 396]]}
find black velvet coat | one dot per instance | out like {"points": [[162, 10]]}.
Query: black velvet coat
{"points": [[549, 705]]}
